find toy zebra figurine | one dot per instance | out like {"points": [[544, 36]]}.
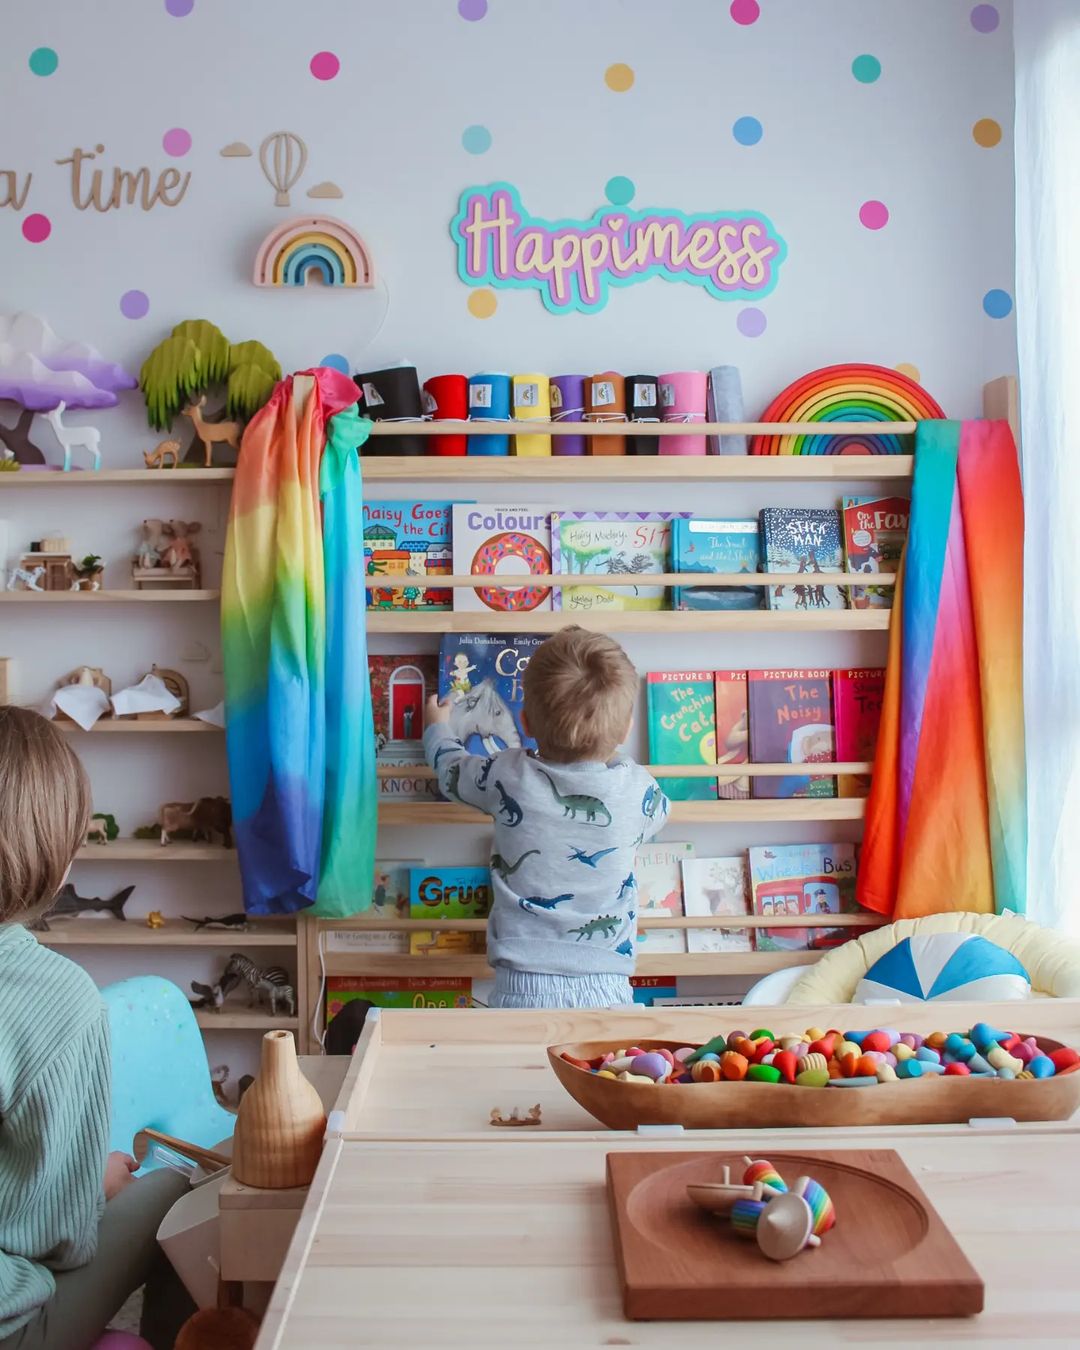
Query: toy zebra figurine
{"points": [[269, 984]]}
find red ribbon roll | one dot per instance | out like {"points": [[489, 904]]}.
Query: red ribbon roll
{"points": [[446, 399]]}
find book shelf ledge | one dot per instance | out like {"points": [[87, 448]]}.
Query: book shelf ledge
{"points": [[362, 924], [105, 597], [244, 1021], [150, 851], [648, 963], [148, 726], [762, 811], [107, 932], [671, 622]]}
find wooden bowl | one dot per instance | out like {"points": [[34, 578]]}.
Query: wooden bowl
{"points": [[722, 1106]]}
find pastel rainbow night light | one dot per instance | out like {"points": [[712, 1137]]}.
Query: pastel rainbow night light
{"points": [[849, 393], [329, 248]]}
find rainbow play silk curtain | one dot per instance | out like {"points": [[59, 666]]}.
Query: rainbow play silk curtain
{"points": [[298, 706], [946, 825]]}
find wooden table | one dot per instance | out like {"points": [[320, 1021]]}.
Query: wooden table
{"points": [[426, 1226]]}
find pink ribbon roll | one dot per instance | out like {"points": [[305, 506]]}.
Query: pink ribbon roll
{"points": [[682, 399]]}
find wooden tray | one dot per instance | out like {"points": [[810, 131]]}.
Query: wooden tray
{"points": [[889, 1255], [715, 1106]]}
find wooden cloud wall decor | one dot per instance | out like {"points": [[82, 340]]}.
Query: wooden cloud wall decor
{"points": [[329, 248]]}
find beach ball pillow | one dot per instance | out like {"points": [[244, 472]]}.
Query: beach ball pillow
{"points": [[945, 967]]}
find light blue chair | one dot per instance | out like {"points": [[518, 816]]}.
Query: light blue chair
{"points": [[160, 1075]]}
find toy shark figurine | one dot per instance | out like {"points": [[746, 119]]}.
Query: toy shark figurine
{"points": [[236, 922], [68, 903]]}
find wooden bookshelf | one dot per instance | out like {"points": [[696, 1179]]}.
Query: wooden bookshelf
{"points": [[83, 478], [645, 921], [649, 963], [227, 1020], [772, 810], [127, 597], [671, 622], [151, 726], [150, 851], [108, 932]]}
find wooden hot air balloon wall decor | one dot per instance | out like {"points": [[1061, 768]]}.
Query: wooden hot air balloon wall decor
{"points": [[283, 156]]}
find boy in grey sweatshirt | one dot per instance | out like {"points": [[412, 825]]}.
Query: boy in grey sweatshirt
{"points": [[568, 822]]}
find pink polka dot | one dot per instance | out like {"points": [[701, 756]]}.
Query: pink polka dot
{"points": [[874, 215], [176, 142], [745, 11], [325, 65], [36, 228]]}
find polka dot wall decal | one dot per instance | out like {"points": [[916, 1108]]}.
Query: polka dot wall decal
{"points": [[477, 140], [619, 77], [324, 65], [986, 132], [745, 12], [874, 215], [472, 10], [985, 18], [43, 61], [619, 190], [997, 304], [866, 69], [336, 361], [134, 304], [747, 131], [482, 303], [176, 142], [912, 372], [36, 228], [751, 323], [179, 9]]}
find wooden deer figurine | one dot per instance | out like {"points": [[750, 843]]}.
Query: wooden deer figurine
{"points": [[87, 438], [162, 451], [210, 432]]}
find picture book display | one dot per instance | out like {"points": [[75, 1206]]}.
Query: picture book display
{"points": [[875, 529], [400, 686], [732, 732], [716, 546], [802, 541], [448, 893], [857, 699], [682, 728], [601, 543], [793, 879], [791, 723], [482, 676], [404, 991], [389, 900], [504, 542], [407, 539], [658, 870], [714, 887], [648, 988]]}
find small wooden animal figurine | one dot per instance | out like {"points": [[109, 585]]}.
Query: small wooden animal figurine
{"points": [[155, 919], [68, 903], [270, 984], [212, 432], [97, 832], [153, 541], [203, 818], [178, 551], [236, 922], [515, 1117], [85, 438], [26, 579], [165, 555], [155, 459]]}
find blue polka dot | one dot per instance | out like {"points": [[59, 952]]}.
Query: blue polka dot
{"points": [[998, 304], [866, 69], [43, 61], [477, 140], [336, 362], [747, 131], [619, 190]]}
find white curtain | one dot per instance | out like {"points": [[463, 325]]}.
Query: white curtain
{"points": [[1047, 45]]}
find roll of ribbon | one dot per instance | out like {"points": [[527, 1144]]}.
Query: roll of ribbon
{"points": [[642, 405], [568, 405], [605, 401], [446, 399], [532, 403], [682, 399], [725, 404], [489, 401], [392, 395]]}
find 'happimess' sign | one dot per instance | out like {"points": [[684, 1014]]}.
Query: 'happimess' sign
{"points": [[734, 255]]}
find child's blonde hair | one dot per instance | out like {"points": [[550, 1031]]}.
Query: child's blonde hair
{"points": [[579, 696], [44, 812]]}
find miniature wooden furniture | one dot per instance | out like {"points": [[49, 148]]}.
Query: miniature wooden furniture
{"points": [[280, 1123], [58, 572]]}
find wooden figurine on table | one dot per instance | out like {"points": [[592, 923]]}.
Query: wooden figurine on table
{"points": [[204, 818], [26, 578], [97, 832], [210, 433], [155, 919], [515, 1117]]}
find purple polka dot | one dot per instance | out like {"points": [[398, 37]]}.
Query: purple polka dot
{"points": [[36, 228], [134, 304], [472, 10], [325, 65], [751, 323], [745, 12], [176, 142], [179, 9], [874, 215], [985, 18]]}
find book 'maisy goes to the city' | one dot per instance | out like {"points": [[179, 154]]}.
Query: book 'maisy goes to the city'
{"points": [[407, 541]]}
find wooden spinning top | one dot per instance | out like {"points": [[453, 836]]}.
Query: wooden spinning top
{"points": [[719, 1196], [280, 1123]]}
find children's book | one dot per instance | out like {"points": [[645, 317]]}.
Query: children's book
{"points": [[682, 728], [802, 540], [794, 879], [501, 542], [400, 686], [658, 869], [601, 543], [716, 886], [389, 900], [448, 893], [387, 991], [875, 529], [732, 732], [648, 988], [857, 699], [407, 539], [482, 675], [791, 723], [716, 546]]}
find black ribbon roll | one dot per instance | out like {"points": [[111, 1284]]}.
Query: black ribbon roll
{"points": [[642, 405], [392, 396]]}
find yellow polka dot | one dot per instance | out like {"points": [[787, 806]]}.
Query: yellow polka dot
{"points": [[912, 372], [986, 132], [482, 304], [619, 77]]}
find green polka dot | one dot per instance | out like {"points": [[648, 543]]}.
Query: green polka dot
{"points": [[43, 61], [866, 69]]}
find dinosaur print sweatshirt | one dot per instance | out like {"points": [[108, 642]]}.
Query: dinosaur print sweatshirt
{"points": [[562, 865]]}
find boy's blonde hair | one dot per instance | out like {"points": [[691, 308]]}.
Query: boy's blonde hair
{"points": [[44, 812], [579, 696]]}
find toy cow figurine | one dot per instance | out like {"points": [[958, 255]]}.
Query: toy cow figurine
{"points": [[205, 818]]}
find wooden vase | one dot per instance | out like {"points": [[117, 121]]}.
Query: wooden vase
{"points": [[280, 1124]]}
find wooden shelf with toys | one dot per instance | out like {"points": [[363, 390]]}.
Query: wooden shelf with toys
{"points": [[476, 967], [105, 597], [244, 1021], [173, 933], [682, 813], [667, 622], [150, 851], [150, 726], [81, 478]]}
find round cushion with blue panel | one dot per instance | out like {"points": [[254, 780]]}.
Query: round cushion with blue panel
{"points": [[942, 967]]}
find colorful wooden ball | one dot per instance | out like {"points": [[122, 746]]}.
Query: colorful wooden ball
{"points": [[606, 1073], [1064, 1058], [650, 1065], [847, 1048], [957, 1070], [876, 1040], [733, 1066], [682, 1055]]}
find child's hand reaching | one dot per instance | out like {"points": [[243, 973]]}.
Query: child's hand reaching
{"points": [[119, 1169], [436, 713]]}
